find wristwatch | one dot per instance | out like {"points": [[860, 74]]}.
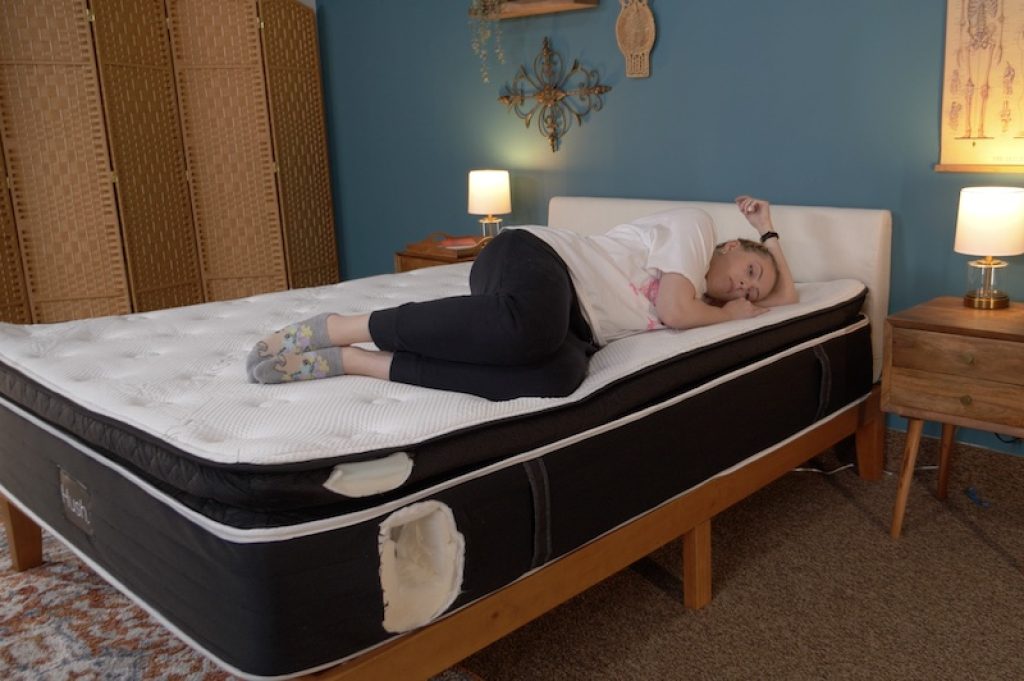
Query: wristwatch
{"points": [[769, 235]]}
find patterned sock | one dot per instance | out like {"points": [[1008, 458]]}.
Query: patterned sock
{"points": [[304, 366], [294, 339]]}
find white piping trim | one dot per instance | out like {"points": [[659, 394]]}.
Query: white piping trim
{"points": [[255, 535]]}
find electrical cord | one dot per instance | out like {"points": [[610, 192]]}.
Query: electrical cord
{"points": [[929, 467], [811, 469], [837, 469]]}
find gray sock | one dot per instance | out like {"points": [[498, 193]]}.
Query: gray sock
{"points": [[294, 339], [305, 366]]}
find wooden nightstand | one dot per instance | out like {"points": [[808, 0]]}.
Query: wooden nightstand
{"points": [[439, 249], [956, 365]]}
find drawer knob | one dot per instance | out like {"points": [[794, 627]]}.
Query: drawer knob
{"points": [[968, 358], [966, 400]]}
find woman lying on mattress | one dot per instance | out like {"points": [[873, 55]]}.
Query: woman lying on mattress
{"points": [[542, 302]]}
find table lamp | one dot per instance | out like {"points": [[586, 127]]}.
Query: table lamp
{"points": [[989, 222], [489, 194]]}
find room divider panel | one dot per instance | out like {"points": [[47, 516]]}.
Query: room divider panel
{"points": [[293, 82], [222, 95], [260, 185], [59, 173], [13, 296], [134, 57]]}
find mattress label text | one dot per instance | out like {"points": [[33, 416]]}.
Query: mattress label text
{"points": [[77, 504]]}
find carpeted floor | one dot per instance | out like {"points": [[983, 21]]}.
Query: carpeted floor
{"points": [[807, 585]]}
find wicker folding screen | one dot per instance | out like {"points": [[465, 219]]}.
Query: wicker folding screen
{"points": [[141, 159], [13, 295], [219, 72], [134, 55], [297, 122], [52, 127]]}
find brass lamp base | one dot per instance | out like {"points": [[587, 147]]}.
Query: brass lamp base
{"points": [[983, 293], [986, 300]]}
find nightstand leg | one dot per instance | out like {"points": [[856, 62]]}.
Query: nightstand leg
{"points": [[945, 452], [914, 427]]}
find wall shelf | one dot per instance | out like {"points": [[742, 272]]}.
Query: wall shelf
{"points": [[513, 9]]}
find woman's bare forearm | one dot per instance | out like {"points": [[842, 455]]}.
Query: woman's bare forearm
{"points": [[678, 306], [758, 214], [785, 292]]}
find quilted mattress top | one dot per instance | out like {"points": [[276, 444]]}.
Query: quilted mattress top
{"points": [[179, 374]]}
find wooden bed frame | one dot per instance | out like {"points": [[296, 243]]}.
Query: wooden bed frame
{"points": [[441, 644], [432, 649]]}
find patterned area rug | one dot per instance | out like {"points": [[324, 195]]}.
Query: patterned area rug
{"points": [[61, 621]]}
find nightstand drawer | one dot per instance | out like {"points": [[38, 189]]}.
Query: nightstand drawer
{"points": [[944, 353], [916, 391], [407, 263]]}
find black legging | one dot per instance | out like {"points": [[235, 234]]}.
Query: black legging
{"points": [[519, 333]]}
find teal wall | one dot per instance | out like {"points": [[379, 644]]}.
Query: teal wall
{"points": [[815, 102]]}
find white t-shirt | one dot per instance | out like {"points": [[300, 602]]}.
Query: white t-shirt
{"points": [[617, 274]]}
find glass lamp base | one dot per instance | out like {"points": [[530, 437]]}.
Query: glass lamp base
{"points": [[983, 291], [986, 300], [490, 226]]}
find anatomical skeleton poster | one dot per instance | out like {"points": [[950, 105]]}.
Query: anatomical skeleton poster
{"points": [[983, 86]]}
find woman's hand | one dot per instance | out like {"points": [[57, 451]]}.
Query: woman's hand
{"points": [[678, 306], [741, 308], [756, 211]]}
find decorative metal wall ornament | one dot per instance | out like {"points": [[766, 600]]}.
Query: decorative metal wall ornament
{"points": [[635, 31], [558, 106]]}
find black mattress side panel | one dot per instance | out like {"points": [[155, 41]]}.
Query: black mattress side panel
{"points": [[270, 608], [597, 488], [239, 601]]}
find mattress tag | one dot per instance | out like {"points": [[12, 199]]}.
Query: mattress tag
{"points": [[77, 504]]}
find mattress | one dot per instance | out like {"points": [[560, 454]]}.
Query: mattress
{"points": [[281, 529], [165, 392]]}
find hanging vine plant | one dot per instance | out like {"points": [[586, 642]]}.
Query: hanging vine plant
{"points": [[484, 26]]}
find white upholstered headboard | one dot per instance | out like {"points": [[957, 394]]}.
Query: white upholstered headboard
{"points": [[820, 243]]}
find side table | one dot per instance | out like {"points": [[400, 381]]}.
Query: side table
{"points": [[956, 365]]}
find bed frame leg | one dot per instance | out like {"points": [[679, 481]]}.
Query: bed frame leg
{"points": [[23, 536], [871, 437], [697, 566]]}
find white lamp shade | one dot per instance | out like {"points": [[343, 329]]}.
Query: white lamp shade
{"points": [[990, 221], [489, 192]]}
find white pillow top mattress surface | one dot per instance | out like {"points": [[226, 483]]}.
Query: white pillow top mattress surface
{"points": [[179, 374]]}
